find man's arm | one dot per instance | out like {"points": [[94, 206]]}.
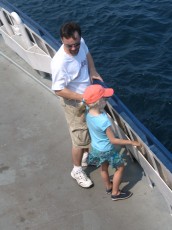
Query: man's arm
{"points": [[92, 69], [68, 94]]}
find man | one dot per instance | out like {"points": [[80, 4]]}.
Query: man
{"points": [[72, 71]]}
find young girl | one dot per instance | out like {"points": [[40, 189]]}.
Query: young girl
{"points": [[102, 151]]}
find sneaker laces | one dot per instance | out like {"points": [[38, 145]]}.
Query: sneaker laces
{"points": [[81, 175]]}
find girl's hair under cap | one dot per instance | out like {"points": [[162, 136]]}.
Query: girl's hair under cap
{"points": [[95, 92]]}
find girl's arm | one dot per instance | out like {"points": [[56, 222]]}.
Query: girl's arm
{"points": [[117, 141]]}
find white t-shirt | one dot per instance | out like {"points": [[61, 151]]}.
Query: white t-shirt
{"points": [[70, 71]]}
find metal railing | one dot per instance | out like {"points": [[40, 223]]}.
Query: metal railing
{"points": [[30, 41]]}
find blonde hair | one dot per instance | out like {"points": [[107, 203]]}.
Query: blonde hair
{"points": [[82, 109]]}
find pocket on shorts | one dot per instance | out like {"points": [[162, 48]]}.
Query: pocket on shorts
{"points": [[80, 137], [79, 132]]}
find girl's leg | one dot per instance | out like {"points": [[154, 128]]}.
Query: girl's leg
{"points": [[105, 175], [117, 180]]}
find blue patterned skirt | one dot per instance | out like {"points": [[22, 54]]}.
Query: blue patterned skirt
{"points": [[96, 157]]}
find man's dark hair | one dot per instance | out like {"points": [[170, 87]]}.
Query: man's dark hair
{"points": [[68, 29]]}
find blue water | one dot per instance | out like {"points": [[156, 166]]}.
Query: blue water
{"points": [[131, 42]]}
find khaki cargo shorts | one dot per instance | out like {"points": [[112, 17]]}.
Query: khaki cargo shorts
{"points": [[77, 125]]}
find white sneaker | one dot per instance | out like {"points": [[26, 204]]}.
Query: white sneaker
{"points": [[84, 160], [81, 179]]}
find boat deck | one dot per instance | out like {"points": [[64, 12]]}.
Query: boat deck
{"points": [[36, 189]]}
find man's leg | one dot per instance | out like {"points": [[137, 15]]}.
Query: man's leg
{"points": [[80, 137], [77, 173], [77, 154]]}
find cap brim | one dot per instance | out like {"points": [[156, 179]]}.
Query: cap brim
{"points": [[108, 92]]}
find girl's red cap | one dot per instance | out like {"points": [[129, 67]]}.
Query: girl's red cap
{"points": [[95, 92]]}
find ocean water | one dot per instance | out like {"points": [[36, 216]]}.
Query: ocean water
{"points": [[131, 43]]}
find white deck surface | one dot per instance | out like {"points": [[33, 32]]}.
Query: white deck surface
{"points": [[36, 189]]}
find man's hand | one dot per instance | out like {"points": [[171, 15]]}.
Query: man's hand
{"points": [[96, 77], [92, 69]]}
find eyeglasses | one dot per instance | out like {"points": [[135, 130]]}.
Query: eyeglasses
{"points": [[73, 45]]}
